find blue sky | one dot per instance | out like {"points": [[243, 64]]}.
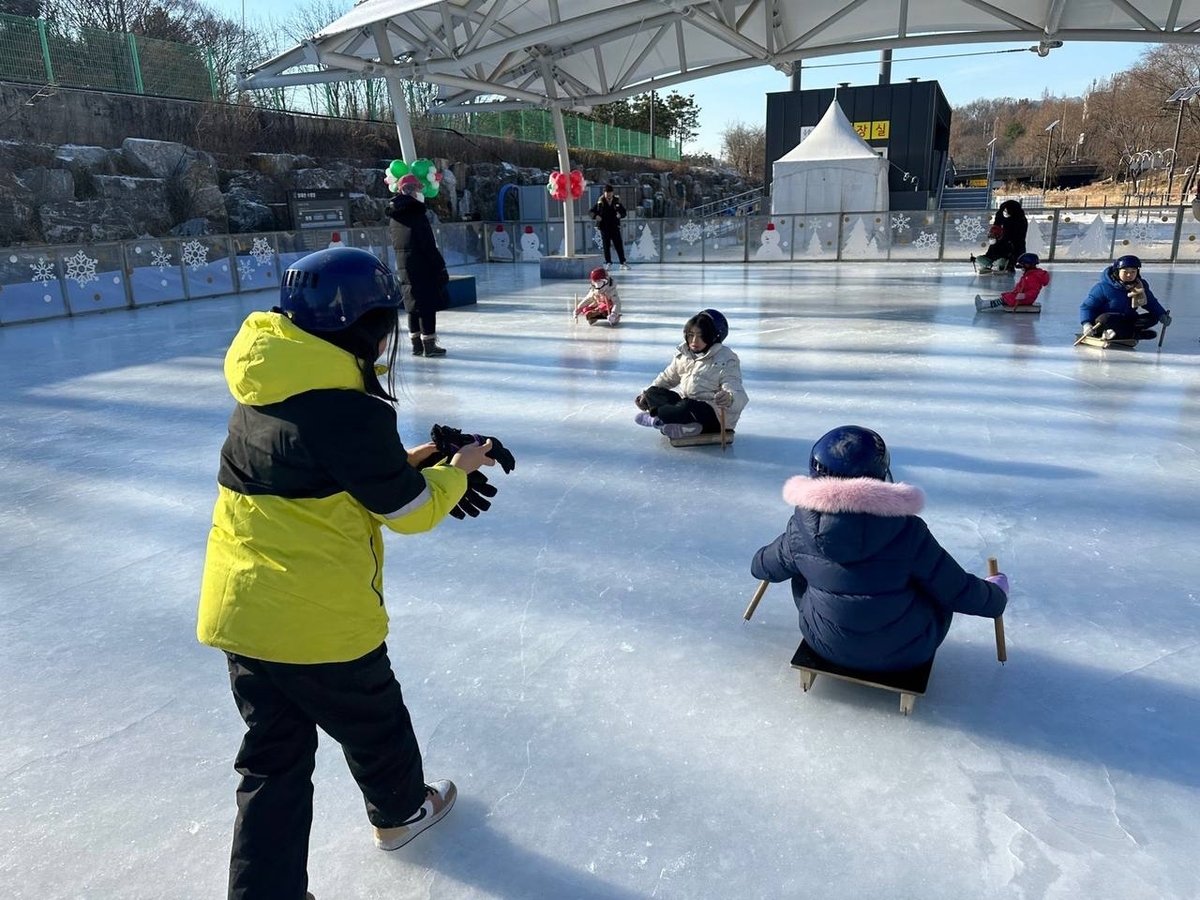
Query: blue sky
{"points": [[965, 73]]}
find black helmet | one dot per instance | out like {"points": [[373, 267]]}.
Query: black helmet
{"points": [[719, 321], [1129, 261], [850, 451], [1027, 261], [330, 289]]}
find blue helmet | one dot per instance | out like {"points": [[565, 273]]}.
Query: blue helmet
{"points": [[1129, 261], [718, 320], [1027, 261], [850, 451], [330, 289]]}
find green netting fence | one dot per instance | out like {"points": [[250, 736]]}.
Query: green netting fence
{"points": [[37, 51], [536, 125]]}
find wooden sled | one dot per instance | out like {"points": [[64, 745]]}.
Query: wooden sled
{"points": [[1114, 344], [701, 440], [909, 684], [1034, 307]]}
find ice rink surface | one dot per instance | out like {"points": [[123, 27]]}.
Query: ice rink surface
{"points": [[576, 658]]}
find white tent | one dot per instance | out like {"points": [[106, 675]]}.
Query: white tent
{"points": [[831, 170]]}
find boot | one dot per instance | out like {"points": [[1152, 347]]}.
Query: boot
{"points": [[430, 345], [418, 347], [677, 430], [439, 798]]}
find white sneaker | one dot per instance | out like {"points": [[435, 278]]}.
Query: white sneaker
{"points": [[439, 798], [614, 318], [624, 267], [1109, 335]]}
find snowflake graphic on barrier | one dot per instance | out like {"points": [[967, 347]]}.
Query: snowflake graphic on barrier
{"points": [[597, 238], [970, 230], [712, 228], [195, 255], [160, 258], [691, 232], [1140, 233], [245, 271], [926, 241], [900, 222], [261, 251], [43, 270], [81, 268]]}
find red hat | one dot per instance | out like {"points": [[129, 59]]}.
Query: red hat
{"points": [[409, 184]]}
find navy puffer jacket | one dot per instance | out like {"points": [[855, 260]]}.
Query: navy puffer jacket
{"points": [[874, 588]]}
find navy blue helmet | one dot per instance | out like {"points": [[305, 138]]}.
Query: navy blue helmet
{"points": [[330, 289], [722, 325], [850, 451]]}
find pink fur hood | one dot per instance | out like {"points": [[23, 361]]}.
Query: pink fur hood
{"points": [[854, 495]]}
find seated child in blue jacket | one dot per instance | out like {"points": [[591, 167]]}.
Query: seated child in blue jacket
{"points": [[874, 588], [1121, 304]]}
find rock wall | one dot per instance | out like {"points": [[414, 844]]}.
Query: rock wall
{"points": [[86, 166]]}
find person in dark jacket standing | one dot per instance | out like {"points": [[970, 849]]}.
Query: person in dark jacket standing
{"points": [[311, 472], [607, 214], [419, 266], [874, 588]]}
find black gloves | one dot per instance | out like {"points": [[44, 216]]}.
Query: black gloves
{"points": [[474, 500], [450, 440]]}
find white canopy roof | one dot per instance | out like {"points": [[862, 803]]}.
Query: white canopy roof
{"points": [[831, 138], [575, 53]]}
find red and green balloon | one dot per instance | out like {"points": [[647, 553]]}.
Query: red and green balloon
{"points": [[425, 171]]}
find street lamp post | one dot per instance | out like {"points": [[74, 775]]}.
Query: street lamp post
{"points": [[1049, 140], [1183, 95]]}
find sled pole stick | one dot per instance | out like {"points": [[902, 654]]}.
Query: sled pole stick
{"points": [[758, 595], [1162, 334], [1087, 332], [722, 411], [1001, 649], [575, 306]]}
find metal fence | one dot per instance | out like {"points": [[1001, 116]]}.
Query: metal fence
{"points": [[48, 282], [36, 51]]}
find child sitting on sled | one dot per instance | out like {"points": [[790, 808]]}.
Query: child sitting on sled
{"points": [[1025, 292], [1008, 234], [874, 588], [601, 303], [705, 377]]}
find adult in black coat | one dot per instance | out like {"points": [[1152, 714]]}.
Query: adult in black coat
{"points": [[1010, 227], [420, 267], [607, 214]]}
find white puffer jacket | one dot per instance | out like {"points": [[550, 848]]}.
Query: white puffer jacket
{"points": [[699, 376]]}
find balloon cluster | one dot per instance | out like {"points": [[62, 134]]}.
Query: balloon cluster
{"points": [[425, 171], [561, 186]]}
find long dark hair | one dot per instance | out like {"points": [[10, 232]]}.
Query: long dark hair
{"points": [[362, 339]]}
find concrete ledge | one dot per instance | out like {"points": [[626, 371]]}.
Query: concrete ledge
{"points": [[461, 290], [576, 268]]}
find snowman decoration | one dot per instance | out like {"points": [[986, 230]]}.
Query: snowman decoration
{"points": [[769, 248], [531, 246], [501, 244]]}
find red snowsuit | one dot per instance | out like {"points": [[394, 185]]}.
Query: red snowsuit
{"points": [[1028, 286]]}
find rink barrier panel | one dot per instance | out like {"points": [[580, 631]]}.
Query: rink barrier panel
{"points": [[48, 282]]}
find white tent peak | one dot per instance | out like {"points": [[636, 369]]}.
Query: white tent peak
{"points": [[832, 138]]}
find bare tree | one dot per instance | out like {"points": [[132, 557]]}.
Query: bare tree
{"points": [[744, 147]]}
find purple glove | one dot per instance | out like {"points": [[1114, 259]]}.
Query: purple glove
{"points": [[1000, 580]]}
